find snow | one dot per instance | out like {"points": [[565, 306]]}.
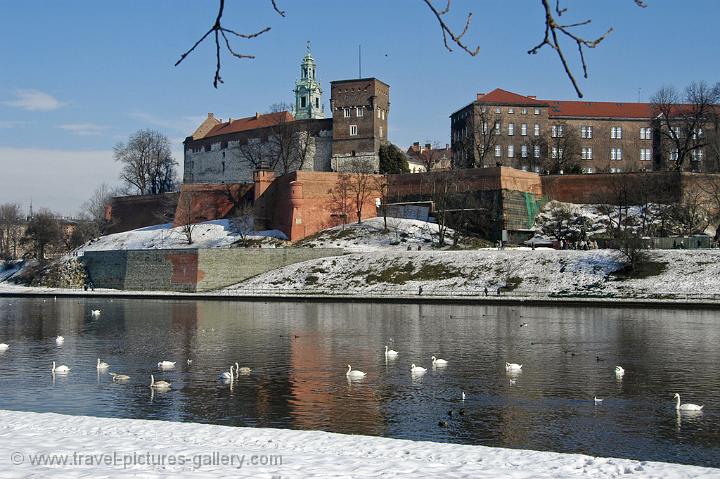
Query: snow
{"points": [[370, 235], [106, 444], [209, 234]]}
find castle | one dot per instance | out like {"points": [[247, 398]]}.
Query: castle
{"points": [[302, 140]]}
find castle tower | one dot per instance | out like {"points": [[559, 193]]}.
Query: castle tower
{"points": [[308, 94]]}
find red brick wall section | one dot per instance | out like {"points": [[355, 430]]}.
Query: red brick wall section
{"points": [[124, 213], [664, 186], [185, 268], [207, 202]]}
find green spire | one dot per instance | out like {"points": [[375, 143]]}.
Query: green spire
{"points": [[308, 94]]}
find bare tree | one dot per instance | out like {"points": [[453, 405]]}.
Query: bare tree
{"points": [[537, 152], [280, 107], [691, 213], [563, 150], [340, 198], [382, 188], [485, 128], [10, 229], [441, 186], [186, 215], [242, 221], [147, 163], [289, 145], [257, 154], [43, 232], [554, 31], [431, 155], [681, 120], [361, 184]]}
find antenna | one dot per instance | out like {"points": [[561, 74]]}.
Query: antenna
{"points": [[359, 61], [639, 95]]}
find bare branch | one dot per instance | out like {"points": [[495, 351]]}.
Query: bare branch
{"points": [[447, 32]]}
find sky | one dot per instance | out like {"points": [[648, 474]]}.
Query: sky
{"points": [[78, 77]]}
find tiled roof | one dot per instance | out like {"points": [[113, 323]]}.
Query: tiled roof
{"points": [[505, 97], [598, 109], [250, 123]]}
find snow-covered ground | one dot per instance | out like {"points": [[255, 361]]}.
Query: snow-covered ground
{"points": [[370, 235], [519, 272], [102, 447], [210, 234]]}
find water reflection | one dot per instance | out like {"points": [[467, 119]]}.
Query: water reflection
{"points": [[298, 354]]}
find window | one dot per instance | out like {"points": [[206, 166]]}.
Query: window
{"points": [[303, 101], [497, 127], [537, 111], [497, 109], [557, 131], [378, 110], [645, 134], [557, 152], [588, 170], [615, 170], [616, 132], [645, 154], [586, 132], [383, 114], [523, 151], [358, 111], [523, 111], [523, 129], [346, 112], [511, 129], [484, 127], [317, 102], [697, 155], [536, 130], [676, 131], [697, 134], [353, 130], [536, 151], [511, 151], [674, 154], [616, 154], [381, 132], [498, 151], [511, 110], [223, 145], [587, 153], [208, 147]]}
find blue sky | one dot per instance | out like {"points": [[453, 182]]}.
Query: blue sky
{"points": [[76, 77]]}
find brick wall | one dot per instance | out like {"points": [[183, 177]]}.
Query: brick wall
{"points": [[206, 202], [126, 213], [190, 270]]}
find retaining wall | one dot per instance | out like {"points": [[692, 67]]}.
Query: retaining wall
{"points": [[190, 270]]}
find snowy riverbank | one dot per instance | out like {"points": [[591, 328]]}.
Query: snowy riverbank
{"points": [[122, 448]]}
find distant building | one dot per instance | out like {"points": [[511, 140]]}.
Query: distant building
{"points": [[418, 157], [502, 128], [230, 151]]}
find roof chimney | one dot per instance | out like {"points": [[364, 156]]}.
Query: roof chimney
{"points": [[479, 95], [417, 143], [428, 146], [447, 146], [257, 115], [532, 97], [211, 115]]}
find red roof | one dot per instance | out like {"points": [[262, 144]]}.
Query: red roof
{"points": [[250, 123], [598, 109], [505, 97]]}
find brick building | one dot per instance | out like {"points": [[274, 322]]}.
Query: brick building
{"points": [[557, 136], [418, 157], [230, 151]]}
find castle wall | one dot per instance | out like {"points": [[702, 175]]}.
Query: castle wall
{"points": [[124, 213]]}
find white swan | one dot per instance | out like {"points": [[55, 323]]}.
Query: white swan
{"points": [[619, 371], [417, 369], [95, 312], [463, 395], [513, 367], [354, 374], [166, 364], [3, 347], [228, 376], [687, 406], [391, 353], [158, 384], [60, 369], [59, 340], [438, 362], [119, 377], [242, 370], [102, 364], [597, 400]]}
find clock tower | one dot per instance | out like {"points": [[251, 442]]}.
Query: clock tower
{"points": [[308, 94]]}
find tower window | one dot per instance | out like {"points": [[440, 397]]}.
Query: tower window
{"points": [[317, 102], [353, 130], [346, 112], [358, 111], [303, 101]]}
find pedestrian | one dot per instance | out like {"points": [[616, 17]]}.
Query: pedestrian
{"points": [[486, 291], [532, 245], [498, 291], [420, 290], [419, 247]]}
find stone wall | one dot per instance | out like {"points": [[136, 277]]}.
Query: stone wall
{"points": [[190, 270], [126, 213], [661, 186]]}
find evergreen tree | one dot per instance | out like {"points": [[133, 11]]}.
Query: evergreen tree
{"points": [[392, 160]]}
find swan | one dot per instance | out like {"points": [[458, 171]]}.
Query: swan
{"points": [[228, 376], [3, 347], [619, 370], [158, 384], [513, 367], [60, 369], [438, 362], [95, 312], [102, 364], [463, 395], [189, 362], [242, 370], [417, 369], [119, 377], [687, 406], [166, 364], [59, 340], [391, 353], [354, 374], [597, 400], [513, 382]]}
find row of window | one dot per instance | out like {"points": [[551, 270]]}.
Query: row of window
{"points": [[354, 130], [616, 154], [557, 131], [360, 111], [511, 110]]}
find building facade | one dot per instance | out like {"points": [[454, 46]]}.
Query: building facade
{"points": [[502, 128]]}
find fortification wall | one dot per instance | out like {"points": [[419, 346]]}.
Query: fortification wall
{"points": [[124, 213], [190, 270]]}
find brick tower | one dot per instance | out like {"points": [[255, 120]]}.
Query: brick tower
{"points": [[360, 111]]}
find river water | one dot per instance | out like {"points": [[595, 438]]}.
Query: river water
{"points": [[299, 354]]}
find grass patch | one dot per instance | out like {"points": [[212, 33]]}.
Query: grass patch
{"points": [[644, 269], [311, 279], [401, 274], [512, 283]]}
